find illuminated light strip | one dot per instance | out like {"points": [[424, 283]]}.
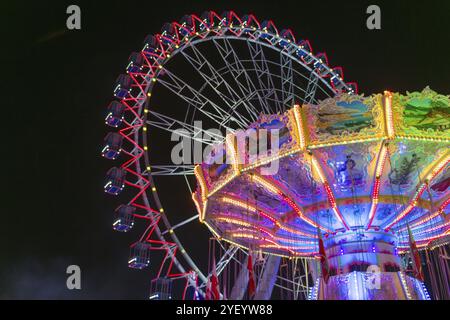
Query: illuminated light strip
{"points": [[265, 215], [276, 190], [198, 172], [432, 229], [295, 128], [418, 233], [234, 221], [253, 234], [425, 293], [232, 151], [433, 170], [330, 142], [275, 245], [261, 162], [290, 240], [212, 230], [422, 138], [318, 169], [197, 204], [445, 232], [221, 185], [428, 239], [275, 237], [388, 118], [334, 206], [306, 256], [314, 291], [294, 206], [245, 235], [296, 253], [376, 186], [279, 246], [404, 285], [356, 287], [430, 217], [287, 247], [294, 231], [300, 126], [239, 203], [266, 184], [245, 205]]}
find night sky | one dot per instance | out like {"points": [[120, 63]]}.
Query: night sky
{"points": [[57, 83]]}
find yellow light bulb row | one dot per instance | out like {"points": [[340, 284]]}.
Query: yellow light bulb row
{"points": [[437, 168], [197, 206], [266, 184], [317, 145], [376, 186], [267, 160], [198, 172], [317, 169], [422, 138], [214, 232], [388, 115], [222, 184], [300, 127], [239, 203], [239, 222], [256, 233], [243, 235], [232, 151]]}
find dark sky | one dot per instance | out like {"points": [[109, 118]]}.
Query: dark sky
{"points": [[57, 83]]}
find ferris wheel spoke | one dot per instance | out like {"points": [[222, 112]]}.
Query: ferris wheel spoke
{"points": [[312, 79], [183, 129], [263, 72], [191, 191], [172, 170], [311, 88], [235, 66], [293, 91], [196, 99], [182, 223], [287, 81], [229, 96]]}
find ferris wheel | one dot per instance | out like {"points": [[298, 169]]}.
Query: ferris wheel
{"points": [[225, 71]]}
